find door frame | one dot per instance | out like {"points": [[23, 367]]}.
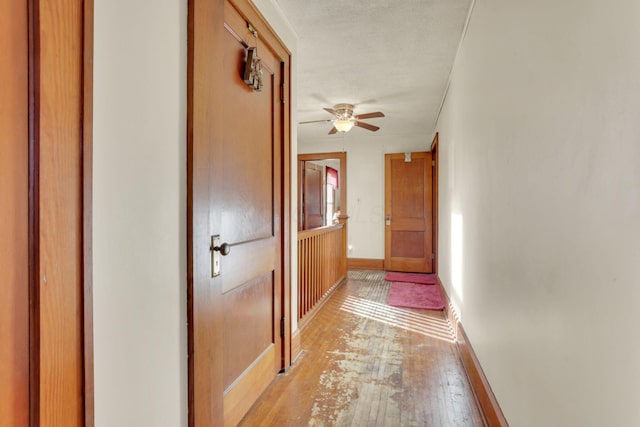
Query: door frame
{"points": [[204, 122], [434, 198], [342, 157], [71, 133]]}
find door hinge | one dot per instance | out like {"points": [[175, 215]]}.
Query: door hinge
{"points": [[282, 327], [433, 162], [282, 93], [433, 256]]}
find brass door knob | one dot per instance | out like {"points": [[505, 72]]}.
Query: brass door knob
{"points": [[224, 249]]}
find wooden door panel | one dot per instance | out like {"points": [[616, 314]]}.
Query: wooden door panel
{"points": [[407, 244], [407, 185], [399, 223], [237, 270], [248, 388], [246, 334], [14, 215], [247, 197], [408, 231]]}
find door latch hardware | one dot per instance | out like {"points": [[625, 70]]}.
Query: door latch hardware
{"points": [[217, 250]]}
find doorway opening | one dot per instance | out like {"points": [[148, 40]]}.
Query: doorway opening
{"points": [[322, 190], [409, 212]]}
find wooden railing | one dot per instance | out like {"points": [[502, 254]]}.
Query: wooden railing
{"points": [[322, 264]]}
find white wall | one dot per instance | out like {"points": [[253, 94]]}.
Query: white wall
{"points": [[365, 182], [540, 206], [140, 209], [140, 213]]}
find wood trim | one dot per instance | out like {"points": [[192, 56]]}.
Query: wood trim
{"points": [[318, 231], [87, 209], [14, 215], [434, 198], [365, 264], [342, 155], [34, 214], [300, 195], [486, 400], [250, 13], [287, 350], [60, 216], [60, 87], [190, 214], [204, 306], [67, 124]]}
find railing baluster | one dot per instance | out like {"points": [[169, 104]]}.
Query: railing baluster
{"points": [[321, 264]]}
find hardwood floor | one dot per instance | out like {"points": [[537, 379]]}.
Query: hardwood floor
{"points": [[364, 363]]}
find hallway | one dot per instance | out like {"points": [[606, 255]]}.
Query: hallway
{"points": [[364, 363]]}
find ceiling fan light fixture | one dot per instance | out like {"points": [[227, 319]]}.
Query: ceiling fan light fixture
{"points": [[345, 120], [344, 125]]}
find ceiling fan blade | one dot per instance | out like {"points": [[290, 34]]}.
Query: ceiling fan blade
{"points": [[331, 111], [367, 126], [369, 115], [315, 121], [333, 130]]}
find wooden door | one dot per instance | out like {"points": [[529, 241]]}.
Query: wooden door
{"points": [[238, 157], [408, 213], [246, 212], [14, 215], [312, 196]]}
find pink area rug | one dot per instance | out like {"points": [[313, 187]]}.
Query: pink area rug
{"points": [[425, 279], [412, 295]]}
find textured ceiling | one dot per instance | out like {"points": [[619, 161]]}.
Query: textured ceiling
{"points": [[390, 56]]}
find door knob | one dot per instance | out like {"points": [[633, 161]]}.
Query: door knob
{"points": [[224, 249]]}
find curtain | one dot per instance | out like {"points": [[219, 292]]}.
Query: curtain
{"points": [[332, 177]]}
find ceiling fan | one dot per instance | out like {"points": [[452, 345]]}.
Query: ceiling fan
{"points": [[345, 119]]}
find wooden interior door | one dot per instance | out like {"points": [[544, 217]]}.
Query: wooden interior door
{"points": [[247, 207], [238, 172], [408, 213], [14, 215], [312, 196]]}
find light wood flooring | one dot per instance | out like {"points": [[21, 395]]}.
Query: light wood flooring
{"points": [[364, 363]]}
